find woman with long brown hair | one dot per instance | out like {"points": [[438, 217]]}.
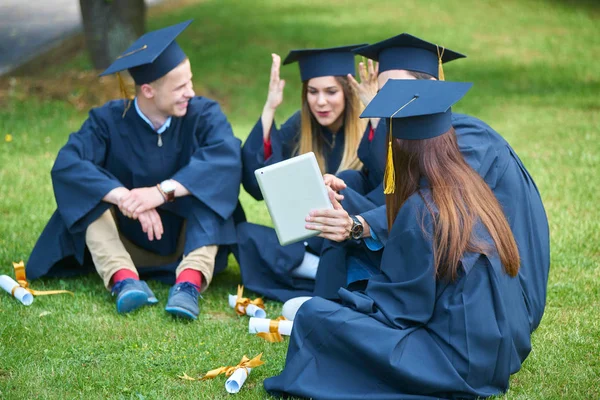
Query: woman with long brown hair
{"points": [[328, 125], [446, 315]]}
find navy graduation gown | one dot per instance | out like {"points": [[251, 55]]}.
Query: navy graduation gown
{"points": [[283, 144], [409, 335], [498, 164], [265, 265], [199, 151]]}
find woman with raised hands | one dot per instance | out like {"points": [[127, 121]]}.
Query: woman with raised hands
{"points": [[328, 125]]}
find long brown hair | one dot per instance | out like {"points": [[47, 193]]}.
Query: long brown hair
{"points": [[461, 197], [311, 138]]}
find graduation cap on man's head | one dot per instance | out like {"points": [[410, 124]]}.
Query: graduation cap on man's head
{"points": [[152, 56], [410, 53], [416, 110], [333, 61]]}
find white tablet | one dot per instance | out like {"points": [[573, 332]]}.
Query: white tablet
{"points": [[291, 189]]}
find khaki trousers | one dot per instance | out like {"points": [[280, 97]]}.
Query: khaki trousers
{"points": [[112, 251]]}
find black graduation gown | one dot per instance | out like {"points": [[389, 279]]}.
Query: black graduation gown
{"points": [[409, 335], [498, 164], [199, 151], [265, 265]]}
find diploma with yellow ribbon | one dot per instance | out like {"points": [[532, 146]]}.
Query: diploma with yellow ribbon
{"points": [[244, 306], [271, 329], [20, 288], [11, 286], [237, 374]]}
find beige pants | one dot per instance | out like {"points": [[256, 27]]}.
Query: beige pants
{"points": [[112, 251]]}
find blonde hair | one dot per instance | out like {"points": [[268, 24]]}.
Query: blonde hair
{"points": [[354, 127]]}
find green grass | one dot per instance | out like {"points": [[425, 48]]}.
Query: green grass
{"points": [[535, 69]]}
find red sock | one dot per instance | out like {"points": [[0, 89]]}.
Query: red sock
{"points": [[191, 276], [123, 274]]}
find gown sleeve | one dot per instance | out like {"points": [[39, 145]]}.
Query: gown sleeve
{"points": [[78, 177], [253, 154], [403, 294], [213, 173]]}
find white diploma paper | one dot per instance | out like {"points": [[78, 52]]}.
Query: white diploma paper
{"points": [[257, 325], [7, 283], [251, 309], [237, 379]]}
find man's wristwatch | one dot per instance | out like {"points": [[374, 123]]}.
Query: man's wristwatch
{"points": [[357, 229], [167, 188]]}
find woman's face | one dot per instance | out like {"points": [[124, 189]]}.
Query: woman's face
{"points": [[325, 98]]}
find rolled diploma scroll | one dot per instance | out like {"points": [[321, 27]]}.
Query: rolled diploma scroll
{"points": [[237, 379], [257, 325], [251, 309], [21, 294]]}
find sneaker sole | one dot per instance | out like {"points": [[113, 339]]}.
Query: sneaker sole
{"points": [[152, 300], [132, 300], [180, 312]]}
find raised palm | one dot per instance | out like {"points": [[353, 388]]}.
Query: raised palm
{"points": [[367, 88], [276, 84]]}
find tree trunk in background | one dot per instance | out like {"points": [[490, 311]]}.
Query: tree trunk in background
{"points": [[110, 27]]}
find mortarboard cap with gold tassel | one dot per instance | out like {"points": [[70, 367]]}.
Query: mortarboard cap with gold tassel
{"points": [[416, 110], [409, 53], [149, 58]]}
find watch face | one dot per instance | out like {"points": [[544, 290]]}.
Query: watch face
{"points": [[167, 186], [357, 231]]}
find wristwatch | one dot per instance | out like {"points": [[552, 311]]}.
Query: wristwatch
{"points": [[356, 231], [167, 188]]}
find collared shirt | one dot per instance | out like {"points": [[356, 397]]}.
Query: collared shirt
{"points": [[160, 130]]}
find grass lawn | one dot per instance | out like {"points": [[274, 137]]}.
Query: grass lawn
{"points": [[537, 81]]}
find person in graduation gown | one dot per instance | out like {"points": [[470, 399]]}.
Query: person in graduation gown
{"points": [[487, 152], [146, 188], [445, 318], [328, 125]]}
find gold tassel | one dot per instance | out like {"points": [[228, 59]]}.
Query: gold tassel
{"points": [[128, 98], [390, 174], [440, 68]]}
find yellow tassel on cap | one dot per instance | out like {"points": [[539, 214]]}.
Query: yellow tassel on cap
{"points": [[128, 98], [390, 175], [440, 68]]}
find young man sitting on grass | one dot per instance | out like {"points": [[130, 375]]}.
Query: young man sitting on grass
{"points": [[146, 187]]}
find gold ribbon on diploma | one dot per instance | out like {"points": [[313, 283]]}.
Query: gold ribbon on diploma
{"points": [[22, 281], [228, 371], [242, 302], [273, 335]]}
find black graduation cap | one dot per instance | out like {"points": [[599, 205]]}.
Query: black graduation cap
{"points": [[151, 56], [333, 61], [410, 53], [419, 109], [416, 109]]}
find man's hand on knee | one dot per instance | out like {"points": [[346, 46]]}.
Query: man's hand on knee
{"points": [[140, 200], [151, 224]]}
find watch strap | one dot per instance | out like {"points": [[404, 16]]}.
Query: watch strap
{"points": [[356, 226]]}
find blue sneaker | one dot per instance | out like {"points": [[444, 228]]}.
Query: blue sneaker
{"points": [[151, 297], [131, 295], [183, 300]]}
